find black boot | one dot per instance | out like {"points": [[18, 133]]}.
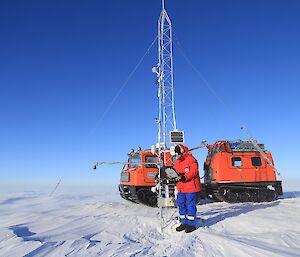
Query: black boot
{"points": [[181, 227], [189, 228]]}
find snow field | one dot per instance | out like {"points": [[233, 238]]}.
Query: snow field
{"points": [[98, 222]]}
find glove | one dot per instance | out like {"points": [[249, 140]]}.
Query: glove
{"points": [[181, 178]]}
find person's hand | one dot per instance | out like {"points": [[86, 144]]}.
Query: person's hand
{"points": [[181, 178]]}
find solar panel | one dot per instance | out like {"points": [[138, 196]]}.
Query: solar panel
{"points": [[177, 137]]}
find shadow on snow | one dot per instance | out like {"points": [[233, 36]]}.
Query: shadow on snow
{"points": [[232, 210], [292, 194]]}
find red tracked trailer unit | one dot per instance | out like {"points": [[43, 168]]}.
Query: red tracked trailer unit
{"points": [[240, 171]]}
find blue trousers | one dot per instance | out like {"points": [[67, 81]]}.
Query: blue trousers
{"points": [[186, 203]]}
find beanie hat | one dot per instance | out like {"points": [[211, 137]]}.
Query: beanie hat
{"points": [[179, 150]]}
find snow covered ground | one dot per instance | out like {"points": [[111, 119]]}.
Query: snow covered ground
{"points": [[97, 222]]}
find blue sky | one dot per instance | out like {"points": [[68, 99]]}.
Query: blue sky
{"points": [[63, 62]]}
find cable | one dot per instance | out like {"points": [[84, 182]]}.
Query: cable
{"points": [[179, 47], [123, 86], [55, 187], [206, 84]]}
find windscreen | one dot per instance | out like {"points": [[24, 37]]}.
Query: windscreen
{"points": [[151, 161], [134, 161]]}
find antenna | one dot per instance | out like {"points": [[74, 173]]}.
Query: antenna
{"points": [[259, 149]]}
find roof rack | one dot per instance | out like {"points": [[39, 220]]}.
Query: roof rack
{"points": [[244, 146]]}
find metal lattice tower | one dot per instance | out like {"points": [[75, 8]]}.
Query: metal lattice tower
{"points": [[166, 112], [164, 70]]}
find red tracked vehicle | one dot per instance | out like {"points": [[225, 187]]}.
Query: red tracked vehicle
{"points": [[240, 171], [138, 177]]}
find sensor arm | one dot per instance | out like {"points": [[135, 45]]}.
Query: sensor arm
{"points": [[203, 144], [198, 147], [112, 163]]}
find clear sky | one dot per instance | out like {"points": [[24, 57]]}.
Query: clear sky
{"points": [[64, 64]]}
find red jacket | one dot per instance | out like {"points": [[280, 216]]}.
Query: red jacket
{"points": [[188, 166]]}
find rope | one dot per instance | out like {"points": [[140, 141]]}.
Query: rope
{"points": [[123, 86], [179, 47], [229, 111], [55, 187]]}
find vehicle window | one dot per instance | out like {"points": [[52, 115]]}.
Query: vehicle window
{"points": [[256, 161], [151, 159], [236, 161], [134, 161]]}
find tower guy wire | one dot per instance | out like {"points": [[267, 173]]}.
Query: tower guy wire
{"points": [[53, 191], [110, 105]]}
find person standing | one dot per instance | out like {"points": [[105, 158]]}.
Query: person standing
{"points": [[188, 187]]}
